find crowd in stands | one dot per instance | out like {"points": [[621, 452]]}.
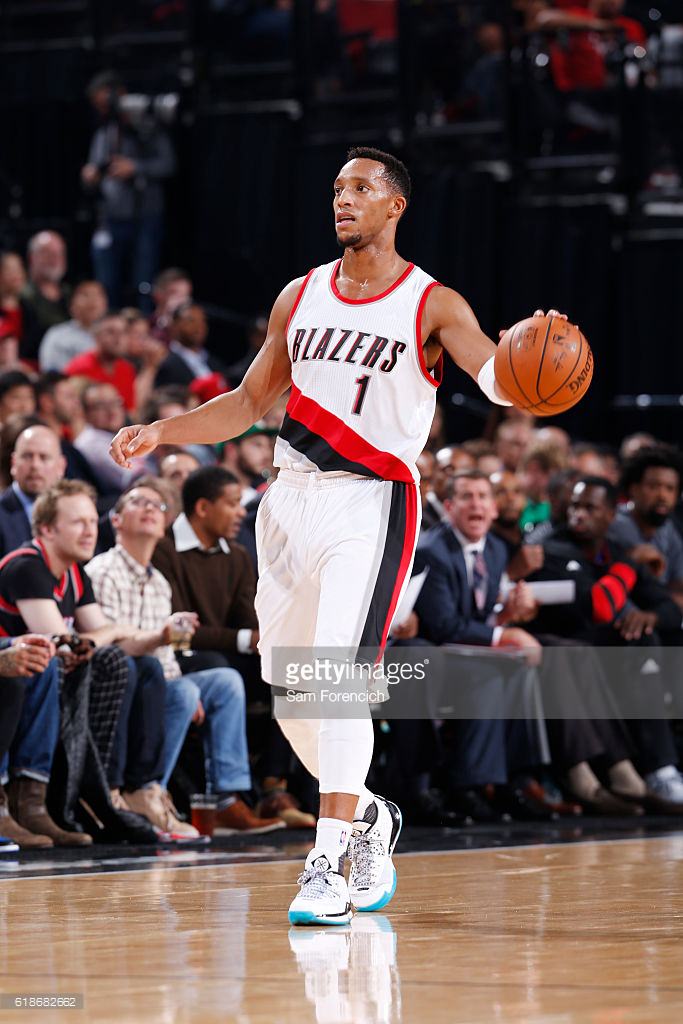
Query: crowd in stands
{"points": [[129, 640]]}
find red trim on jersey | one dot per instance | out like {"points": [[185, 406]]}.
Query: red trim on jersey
{"points": [[5, 606], [15, 554], [298, 299], [77, 580], [373, 298], [406, 557], [345, 440], [433, 380]]}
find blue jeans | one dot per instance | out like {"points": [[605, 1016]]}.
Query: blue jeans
{"points": [[133, 244], [138, 752], [224, 732], [35, 739]]}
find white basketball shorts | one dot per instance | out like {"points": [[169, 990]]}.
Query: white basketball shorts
{"points": [[335, 553]]}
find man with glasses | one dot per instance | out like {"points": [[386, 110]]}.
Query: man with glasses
{"points": [[129, 589]]}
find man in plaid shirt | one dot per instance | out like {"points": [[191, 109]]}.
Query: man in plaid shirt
{"points": [[128, 588]]}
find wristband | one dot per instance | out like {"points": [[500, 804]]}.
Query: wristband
{"points": [[486, 379]]}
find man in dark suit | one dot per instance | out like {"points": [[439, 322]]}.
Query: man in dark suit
{"points": [[188, 359], [37, 463], [618, 605], [457, 606]]}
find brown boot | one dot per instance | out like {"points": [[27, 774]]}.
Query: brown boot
{"points": [[9, 828], [27, 805]]}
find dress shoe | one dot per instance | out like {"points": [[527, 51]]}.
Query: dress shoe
{"points": [[154, 803], [604, 802], [428, 810], [650, 802], [472, 803], [237, 817], [513, 801], [27, 807], [9, 828], [534, 790], [281, 804], [117, 800]]}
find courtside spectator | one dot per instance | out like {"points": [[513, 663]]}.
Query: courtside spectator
{"points": [[617, 604], [129, 588], [64, 342], [456, 606], [651, 483], [105, 364], [45, 298], [21, 661], [207, 570]]}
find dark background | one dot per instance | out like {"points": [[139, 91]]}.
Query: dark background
{"points": [[509, 223]]}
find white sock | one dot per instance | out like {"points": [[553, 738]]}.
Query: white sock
{"points": [[332, 837], [364, 801]]}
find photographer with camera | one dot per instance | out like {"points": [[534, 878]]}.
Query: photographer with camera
{"points": [[130, 157]]}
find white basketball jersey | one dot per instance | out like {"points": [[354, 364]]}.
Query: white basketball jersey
{"points": [[362, 398]]}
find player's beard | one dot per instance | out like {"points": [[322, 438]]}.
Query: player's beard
{"points": [[349, 243]]}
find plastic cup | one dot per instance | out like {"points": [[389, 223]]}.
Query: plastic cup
{"points": [[203, 813]]}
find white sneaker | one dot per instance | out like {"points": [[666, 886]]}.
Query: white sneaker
{"points": [[324, 894], [372, 881], [667, 783]]}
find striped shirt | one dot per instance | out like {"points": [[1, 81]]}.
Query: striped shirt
{"points": [[130, 592]]}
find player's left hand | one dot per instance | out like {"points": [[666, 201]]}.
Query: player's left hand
{"points": [[539, 312]]}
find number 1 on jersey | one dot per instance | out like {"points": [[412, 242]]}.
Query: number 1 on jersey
{"points": [[362, 383]]}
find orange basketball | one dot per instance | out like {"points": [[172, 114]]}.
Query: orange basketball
{"points": [[544, 365]]}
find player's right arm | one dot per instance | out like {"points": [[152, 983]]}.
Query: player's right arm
{"points": [[228, 415]]}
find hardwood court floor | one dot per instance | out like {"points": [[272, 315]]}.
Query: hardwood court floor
{"points": [[590, 933]]}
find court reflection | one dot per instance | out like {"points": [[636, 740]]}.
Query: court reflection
{"points": [[350, 972]]}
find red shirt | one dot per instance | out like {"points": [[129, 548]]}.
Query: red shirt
{"points": [[11, 323], [580, 62], [123, 377]]}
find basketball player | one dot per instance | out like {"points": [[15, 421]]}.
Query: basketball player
{"points": [[360, 343]]}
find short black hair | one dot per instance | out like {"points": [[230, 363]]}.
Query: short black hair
{"points": [[659, 457], [611, 493], [48, 381], [206, 482], [15, 379], [395, 171]]}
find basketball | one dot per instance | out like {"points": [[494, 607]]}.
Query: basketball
{"points": [[544, 365]]}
